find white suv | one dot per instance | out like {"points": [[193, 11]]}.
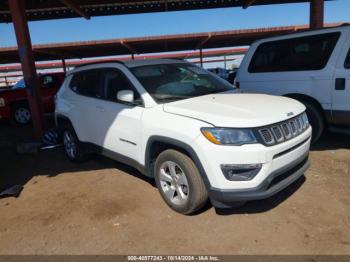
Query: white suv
{"points": [[312, 67], [186, 128]]}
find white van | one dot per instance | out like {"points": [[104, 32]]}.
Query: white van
{"points": [[312, 67]]}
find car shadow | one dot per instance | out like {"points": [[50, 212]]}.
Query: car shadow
{"points": [[332, 141]]}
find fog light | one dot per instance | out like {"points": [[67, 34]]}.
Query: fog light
{"points": [[240, 172]]}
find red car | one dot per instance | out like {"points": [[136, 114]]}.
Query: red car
{"points": [[14, 104]]}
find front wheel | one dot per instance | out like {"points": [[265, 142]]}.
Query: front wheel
{"points": [[179, 182]]}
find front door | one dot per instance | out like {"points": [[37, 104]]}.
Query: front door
{"points": [[119, 128], [341, 89]]}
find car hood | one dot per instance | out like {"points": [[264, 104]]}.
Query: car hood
{"points": [[237, 110]]}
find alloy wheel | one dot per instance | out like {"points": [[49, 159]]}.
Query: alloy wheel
{"points": [[174, 183]]}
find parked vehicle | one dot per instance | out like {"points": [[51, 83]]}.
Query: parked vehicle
{"points": [[231, 78], [14, 103], [186, 128], [222, 72], [312, 67]]}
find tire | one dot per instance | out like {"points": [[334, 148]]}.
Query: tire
{"points": [[183, 188], [21, 114], [72, 146], [316, 120]]}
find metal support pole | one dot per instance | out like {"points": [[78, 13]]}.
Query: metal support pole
{"points": [[6, 82], [225, 65], [201, 57], [316, 14], [26, 56], [64, 66]]}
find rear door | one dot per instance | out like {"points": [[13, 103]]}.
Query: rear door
{"points": [[341, 88], [86, 103]]}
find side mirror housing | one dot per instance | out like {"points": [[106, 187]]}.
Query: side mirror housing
{"points": [[125, 96]]}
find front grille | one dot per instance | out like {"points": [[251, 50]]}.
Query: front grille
{"points": [[283, 131]]}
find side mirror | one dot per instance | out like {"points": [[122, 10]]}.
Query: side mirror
{"points": [[125, 96]]}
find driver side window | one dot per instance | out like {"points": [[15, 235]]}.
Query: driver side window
{"points": [[115, 81]]}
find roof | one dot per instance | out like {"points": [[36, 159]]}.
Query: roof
{"points": [[55, 9], [152, 44], [136, 63], [130, 63]]}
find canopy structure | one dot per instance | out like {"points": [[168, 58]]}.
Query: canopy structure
{"points": [[21, 11], [56, 9], [177, 55], [153, 44]]}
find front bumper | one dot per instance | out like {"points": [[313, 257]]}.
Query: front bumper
{"points": [[282, 164], [274, 183]]}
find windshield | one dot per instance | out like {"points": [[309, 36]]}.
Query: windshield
{"points": [[19, 84], [169, 82]]}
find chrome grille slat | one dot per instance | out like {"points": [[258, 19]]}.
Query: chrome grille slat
{"points": [[283, 131]]}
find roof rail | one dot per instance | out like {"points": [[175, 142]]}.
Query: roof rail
{"points": [[100, 62]]}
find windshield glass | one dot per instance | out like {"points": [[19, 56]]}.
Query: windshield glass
{"points": [[169, 82], [19, 84]]}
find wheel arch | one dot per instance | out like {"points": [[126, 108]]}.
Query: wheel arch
{"points": [[157, 144], [61, 121], [302, 97]]}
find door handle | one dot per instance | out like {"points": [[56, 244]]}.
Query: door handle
{"points": [[340, 83], [100, 108]]}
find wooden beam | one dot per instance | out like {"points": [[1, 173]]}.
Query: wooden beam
{"points": [[248, 3], [76, 8]]}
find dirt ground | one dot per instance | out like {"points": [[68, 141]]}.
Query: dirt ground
{"points": [[102, 207]]}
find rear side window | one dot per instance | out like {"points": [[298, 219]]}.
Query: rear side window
{"points": [[87, 83], [296, 54], [347, 61]]}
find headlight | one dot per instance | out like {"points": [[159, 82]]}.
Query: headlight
{"points": [[2, 102], [305, 120], [229, 136]]}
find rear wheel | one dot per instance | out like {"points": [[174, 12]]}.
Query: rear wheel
{"points": [[179, 182], [316, 120], [21, 114], [72, 145]]}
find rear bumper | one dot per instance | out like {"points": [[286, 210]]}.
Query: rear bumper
{"points": [[5, 113], [274, 183]]}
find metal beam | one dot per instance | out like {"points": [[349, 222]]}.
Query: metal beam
{"points": [[64, 66], [76, 8], [316, 14], [202, 43], [129, 47], [248, 3], [201, 57], [26, 56]]}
